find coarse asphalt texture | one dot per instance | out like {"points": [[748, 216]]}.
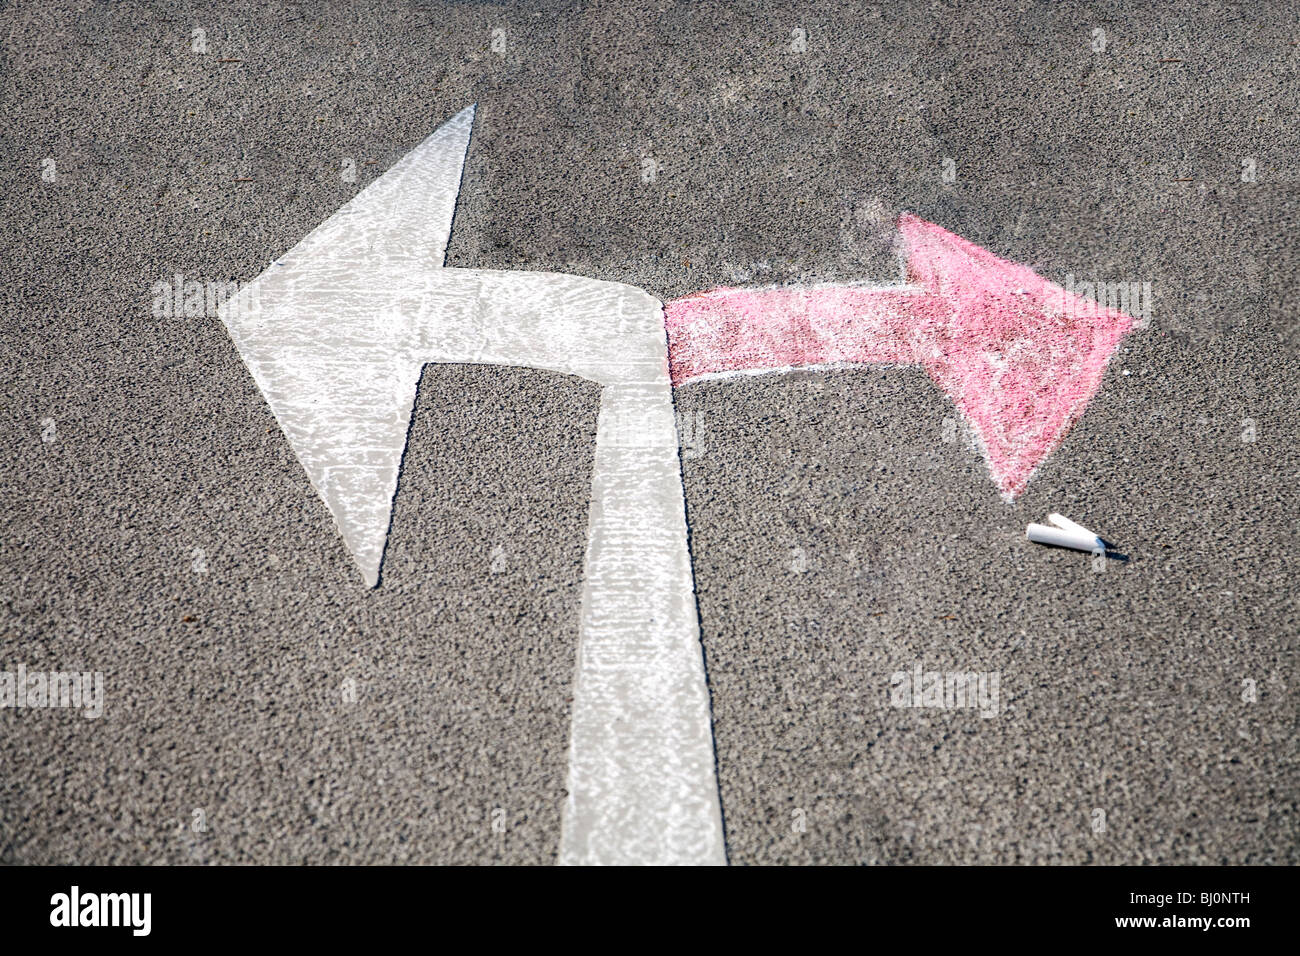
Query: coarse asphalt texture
{"points": [[263, 707]]}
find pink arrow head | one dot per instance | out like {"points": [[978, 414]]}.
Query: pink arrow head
{"points": [[1020, 356]]}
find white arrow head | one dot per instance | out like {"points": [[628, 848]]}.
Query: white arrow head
{"points": [[336, 332]]}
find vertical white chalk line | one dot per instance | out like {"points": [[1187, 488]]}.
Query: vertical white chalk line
{"points": [[642, 785]]}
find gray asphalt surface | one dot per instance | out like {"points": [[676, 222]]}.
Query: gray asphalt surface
{"points": [[837, 536]]}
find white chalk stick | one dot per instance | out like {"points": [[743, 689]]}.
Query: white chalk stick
{"points": [[1061, 521], [1082, 540]]}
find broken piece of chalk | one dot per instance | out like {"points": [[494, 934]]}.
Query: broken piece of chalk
{"points": [[1081, 540], [1061, 521]]}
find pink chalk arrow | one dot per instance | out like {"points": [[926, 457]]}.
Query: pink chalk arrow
{"points": [[1019, 356]]}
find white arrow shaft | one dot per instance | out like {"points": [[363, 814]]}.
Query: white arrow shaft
{"points": [[642, 788]]}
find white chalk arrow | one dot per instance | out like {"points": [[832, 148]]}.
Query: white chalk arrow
{"points": [[336, 334]]}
